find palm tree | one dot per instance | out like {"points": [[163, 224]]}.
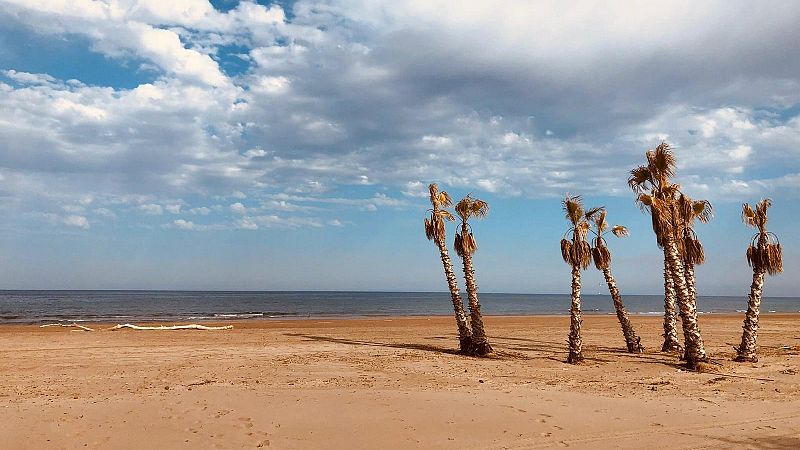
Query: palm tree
{"points": [[662, 204], [435, 231], [655, 177], [465, 246], [764, 255], [689, 245], [578, 254], [602, 260]]}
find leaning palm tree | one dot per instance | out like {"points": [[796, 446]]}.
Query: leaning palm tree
{"points": [[662, 204], [435, 231], [578, 254], [465, 246], [764, 255], [602, 260]]}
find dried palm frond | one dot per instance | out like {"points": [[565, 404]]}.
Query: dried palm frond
{"points": [[764, 252], [566, 251], [661, 161], [433, 188], [693, 252], [429, 232], [765, 255], [471, 207], [601, 222], [662, 218], [444, 200], [573, 209], [465, 244], [639, 178], [761, 210], [601, 254], [619, 231], [702, 210], [748, 215], [595, 212], [581, 254]]}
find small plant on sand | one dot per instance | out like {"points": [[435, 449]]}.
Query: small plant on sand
{"points": [[435, 231], [764, 255], [465, 246]]}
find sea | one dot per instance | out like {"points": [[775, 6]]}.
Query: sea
{"points": [[34, 307]]}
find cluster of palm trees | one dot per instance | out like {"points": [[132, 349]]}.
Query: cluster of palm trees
{"points": [[472, 334], [673, 215]]}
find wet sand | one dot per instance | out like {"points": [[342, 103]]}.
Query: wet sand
{"points": [[394, 383]]}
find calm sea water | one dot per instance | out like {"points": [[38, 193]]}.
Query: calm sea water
{"points": [[130, 306]]}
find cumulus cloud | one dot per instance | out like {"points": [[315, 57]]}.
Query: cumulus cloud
{"points": [[346, 95]]}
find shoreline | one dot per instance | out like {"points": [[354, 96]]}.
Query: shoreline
{"points": [[288, 318]]}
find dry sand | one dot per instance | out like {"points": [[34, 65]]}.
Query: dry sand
{"points": [[393, 383]]}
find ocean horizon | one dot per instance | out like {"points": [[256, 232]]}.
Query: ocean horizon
{"points": [[43, 306]]}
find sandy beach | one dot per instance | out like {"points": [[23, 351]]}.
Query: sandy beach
{"points": [[393, 383]]}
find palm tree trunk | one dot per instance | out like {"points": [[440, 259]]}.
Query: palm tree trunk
{"points": [[480, 343], [691, 286], [464, 333], [633, 342], [747, 350], [695, 351], [670, 313], [575, 342]]}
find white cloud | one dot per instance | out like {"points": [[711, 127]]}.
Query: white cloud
{"points": [[152, 209], [238, 208], [182, 224], [76, 221], [342, 96]]}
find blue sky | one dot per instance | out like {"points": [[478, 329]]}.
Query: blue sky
{"points": [[242, 145]]}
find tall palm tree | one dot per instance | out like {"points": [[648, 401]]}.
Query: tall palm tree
{"points": [[578, 254], [764, 255], [465, 246], [662, 204], [689, 245], [654, 177], [435, 231], [602, 260]]}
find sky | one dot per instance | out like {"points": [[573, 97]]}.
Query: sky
{"points": [[244, 145]]}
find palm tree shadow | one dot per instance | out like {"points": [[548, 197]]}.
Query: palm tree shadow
{"points": [[422, 347], [497, 355]]}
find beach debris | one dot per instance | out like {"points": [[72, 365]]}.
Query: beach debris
{"points": [[193, 326], [67, 325]]}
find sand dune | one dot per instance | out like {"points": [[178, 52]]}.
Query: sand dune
{"points": [[393, 383]]}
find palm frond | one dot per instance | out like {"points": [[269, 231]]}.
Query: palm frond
{"points": [[594, 212], [702, 210], [566, 250], [619, 231], [663, 160], [444, 199], [601, 256], [471, 207], [433, 188], [429, 233], [748, 215], [639, 178], [573, 209], [693, 252]]}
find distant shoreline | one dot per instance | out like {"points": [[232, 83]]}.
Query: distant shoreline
{"points": [[299, 322]]}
